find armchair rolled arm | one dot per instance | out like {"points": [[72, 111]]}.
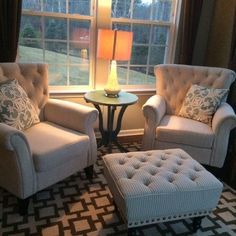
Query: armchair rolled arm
{"points": [[17, 168], [70, 115], [223, 121], [76, 117], [7, 136], [224, 116], [153, 111]]}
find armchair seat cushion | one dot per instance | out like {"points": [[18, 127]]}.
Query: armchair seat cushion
{"points": [[59, 145], [180, 130]]}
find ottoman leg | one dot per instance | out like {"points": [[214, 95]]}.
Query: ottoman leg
{"points": [[115, 205], [23, 206], [197, 223], [89, 172], [131, 232]]}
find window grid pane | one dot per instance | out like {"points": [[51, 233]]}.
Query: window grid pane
{"points": [[151, 35], [62, 41]]}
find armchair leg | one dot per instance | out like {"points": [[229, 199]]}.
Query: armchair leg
{"points": [[23, 206], [89, 172]]}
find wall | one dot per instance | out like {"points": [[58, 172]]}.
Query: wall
{"points": [[219, 43], [133, 120]]}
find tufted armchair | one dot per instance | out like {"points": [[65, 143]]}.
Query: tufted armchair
{"points": [[57, 147], [165, 129]]}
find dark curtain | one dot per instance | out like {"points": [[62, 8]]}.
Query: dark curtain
{"points": [[189, 21], [10, 15], [232, 61], [232, 65]]}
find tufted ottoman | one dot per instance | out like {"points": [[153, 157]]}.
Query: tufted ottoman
{"points": [[161, 185]]}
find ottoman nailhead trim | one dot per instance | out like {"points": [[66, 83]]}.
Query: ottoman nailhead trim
{"points": [[168, 218], [154, 173]]}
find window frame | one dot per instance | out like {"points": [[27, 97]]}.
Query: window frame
{"points": [[73, 89], [170, 44], [97, 21]]}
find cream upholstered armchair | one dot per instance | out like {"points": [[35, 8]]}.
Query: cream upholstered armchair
{"points": [[60, 144], [164, 128]]}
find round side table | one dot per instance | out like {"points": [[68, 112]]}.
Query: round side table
{"points": [[98, 98]]}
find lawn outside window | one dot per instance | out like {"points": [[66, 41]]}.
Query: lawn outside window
{"points": [[59, 34]]}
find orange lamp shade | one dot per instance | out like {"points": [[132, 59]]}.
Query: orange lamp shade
{"points": [[114, 45]]}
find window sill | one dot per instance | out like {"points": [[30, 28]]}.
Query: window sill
{"points": [[80, 93]]}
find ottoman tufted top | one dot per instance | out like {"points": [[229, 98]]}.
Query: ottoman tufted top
{"points": [[160, 185], [159, 171]]}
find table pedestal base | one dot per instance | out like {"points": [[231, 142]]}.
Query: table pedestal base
{"points": [[109, 136]]}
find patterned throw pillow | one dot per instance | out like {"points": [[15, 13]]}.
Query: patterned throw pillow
{"points": [[16, 108], [201, 103]]}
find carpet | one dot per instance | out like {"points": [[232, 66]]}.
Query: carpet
{"points": [[77, 206]]}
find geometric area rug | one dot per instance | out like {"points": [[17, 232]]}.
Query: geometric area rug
{"points": [[77, 206]]}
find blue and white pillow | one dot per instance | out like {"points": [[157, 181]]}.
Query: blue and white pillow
{"points": [[201, 103], [16, 108]]}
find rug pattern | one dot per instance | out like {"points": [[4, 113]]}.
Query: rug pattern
{"points": [[77, 206]]}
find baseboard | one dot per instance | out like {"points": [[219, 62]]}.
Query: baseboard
{"points": [[127, 135], [131, 132]]}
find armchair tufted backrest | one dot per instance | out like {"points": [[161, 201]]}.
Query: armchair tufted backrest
{"points": [[173, 82], [33, 77]]}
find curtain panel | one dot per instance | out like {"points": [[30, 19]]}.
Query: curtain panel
{"points": [[188, 28], [10, 15], [232, 61]]}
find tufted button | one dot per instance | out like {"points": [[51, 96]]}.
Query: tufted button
{"points": [[35, 83], [158, 164], [137, 166], [130, 175], [182, 157], [129, 155], [147, 182], [179, 162], [170, 179], [45, 92], [149, 154], [30, 95], [197, 168], [121, 162], [167, 152], [175, 171], [163, 158], [193, 178], [153, 172]]}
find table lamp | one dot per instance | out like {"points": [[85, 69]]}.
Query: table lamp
{"points": [[114, 45]]}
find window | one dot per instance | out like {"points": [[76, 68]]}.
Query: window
{"points": [[58, 32], [62, 33], [152, 22]]}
